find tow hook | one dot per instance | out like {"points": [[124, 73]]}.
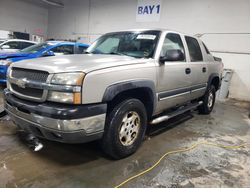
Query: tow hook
{"points": [[33, 142]]}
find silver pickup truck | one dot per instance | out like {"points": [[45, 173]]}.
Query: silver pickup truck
{"points": [[125, 81]]}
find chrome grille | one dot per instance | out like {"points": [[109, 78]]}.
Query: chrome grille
{"points": [[29, 74], [28, 91]]}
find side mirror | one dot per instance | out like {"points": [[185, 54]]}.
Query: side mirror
{"points": [[172, 55], [5, 47], [48, 53], [217, 59]]}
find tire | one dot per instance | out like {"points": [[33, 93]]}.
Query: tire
{"points": [[208, 101], [121, 137], [3, 113]]}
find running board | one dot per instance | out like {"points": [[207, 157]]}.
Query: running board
{"points": [[175, 113]]}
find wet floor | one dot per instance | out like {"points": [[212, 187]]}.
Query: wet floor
{"points": [[84, 165]]}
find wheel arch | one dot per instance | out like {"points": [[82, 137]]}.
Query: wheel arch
{"points": [[214, 79], [143, 90]]}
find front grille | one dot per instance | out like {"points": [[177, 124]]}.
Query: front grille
{"points": [[29, 74], [31, 92]]}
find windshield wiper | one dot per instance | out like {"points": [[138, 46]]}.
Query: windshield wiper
{"points": [[117, 53]]}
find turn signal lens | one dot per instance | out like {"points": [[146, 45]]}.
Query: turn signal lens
{"points": [[77, 98]]}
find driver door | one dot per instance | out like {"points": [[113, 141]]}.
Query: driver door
{"points": [[173, 76]]}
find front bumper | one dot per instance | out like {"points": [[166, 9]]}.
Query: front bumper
{"points": [[62, 123]]}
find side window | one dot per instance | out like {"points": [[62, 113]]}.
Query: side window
{"points": [[14, 45], [172, 42], [26, 44], [63, 50], [194, 49], [207, 51], [81, 49], [109, 45]]}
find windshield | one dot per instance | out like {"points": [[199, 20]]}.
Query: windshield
{"points": [[36, 48], [135, 44]]}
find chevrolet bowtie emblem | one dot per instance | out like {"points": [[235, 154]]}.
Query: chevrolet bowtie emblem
{"points": [[21, 82]]}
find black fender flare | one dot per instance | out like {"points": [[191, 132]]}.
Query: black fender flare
{"points": [[211, 77], [113, 90]]}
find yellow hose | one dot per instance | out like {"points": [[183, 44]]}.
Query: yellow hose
{"points": [[179, 151]]}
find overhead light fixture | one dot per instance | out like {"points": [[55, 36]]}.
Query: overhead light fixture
{"points": [[54, 3]]}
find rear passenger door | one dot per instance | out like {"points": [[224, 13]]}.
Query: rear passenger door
{"points": [[197, 66]]}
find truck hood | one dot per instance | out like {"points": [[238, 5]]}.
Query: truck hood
{"points": [[80, 62], [8, 55]]}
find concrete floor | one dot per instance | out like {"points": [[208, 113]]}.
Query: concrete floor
{"points": [[84, 165]]}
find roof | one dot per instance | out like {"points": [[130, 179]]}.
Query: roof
{"points": [[147, 29], [54, 42], [155, 29], [20, 40]]}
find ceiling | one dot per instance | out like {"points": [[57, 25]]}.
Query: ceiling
{"points": [[46, 3]]}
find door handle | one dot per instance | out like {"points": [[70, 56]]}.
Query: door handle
{"points": [[188, 70], [204, 69]]}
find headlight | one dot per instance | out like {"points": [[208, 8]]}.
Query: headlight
{"points": [[5, 62], [68, 79], [72, 79]]}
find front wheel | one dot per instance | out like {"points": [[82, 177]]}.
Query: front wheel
{"points": [[125, 128], [208, 101]]}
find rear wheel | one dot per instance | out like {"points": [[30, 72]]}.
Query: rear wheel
{"points": [[125, 128], [208, 101]]}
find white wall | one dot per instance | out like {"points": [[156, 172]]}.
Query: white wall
{"points": [[21, 16], [240, 83], [65, 22], [236, 56], [193, 16], [89, 19], [4, 34]]}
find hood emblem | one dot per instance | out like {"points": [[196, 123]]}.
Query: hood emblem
{"points": [[21, 82]]}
